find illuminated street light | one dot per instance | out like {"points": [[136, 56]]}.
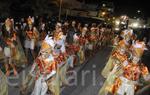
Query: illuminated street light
{"points": [[103, 13], [135, 25], [144, 26], [104, 5], [138, 11]]}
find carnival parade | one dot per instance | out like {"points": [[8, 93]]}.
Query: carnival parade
{"points": [[86, 51]]}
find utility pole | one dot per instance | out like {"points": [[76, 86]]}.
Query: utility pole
{"points": [[60, 9]]}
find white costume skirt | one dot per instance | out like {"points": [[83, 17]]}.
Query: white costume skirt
{"points": [[7, 52], [29, 44], [127, 87]]}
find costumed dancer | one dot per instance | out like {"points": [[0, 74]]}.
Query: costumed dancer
{"points": [[126, 83], [45, 61], [123, 48], [60, 53], [72, 30], [31, 37], [65, 27], [92, 38], [82, 44], [119, 59], [72, 43], [137, 49], [103, 37], [42, 34], [98, 33], [9, 36], [46, 67], [129, 81], [76, 49]]}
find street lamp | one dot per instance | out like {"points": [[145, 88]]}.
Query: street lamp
{"points": [[60, 6], [103, 13], [135, 25], [104, 5], [138, 11]]}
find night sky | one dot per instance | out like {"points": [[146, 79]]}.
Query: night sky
{"points": [[128, 7]]}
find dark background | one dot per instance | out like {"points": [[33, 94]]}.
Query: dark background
{"points": [[128, 7]]}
